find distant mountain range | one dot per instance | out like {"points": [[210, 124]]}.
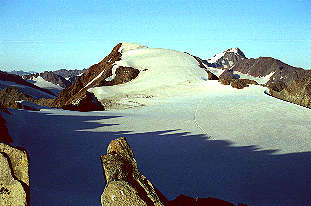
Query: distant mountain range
{"points": [[140, 69]]}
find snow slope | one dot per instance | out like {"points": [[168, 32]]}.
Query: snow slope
{"points": [[40, 82], [237, 145], [160, 69]]}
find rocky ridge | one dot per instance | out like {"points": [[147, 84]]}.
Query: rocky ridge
{"points": [[97, 75], [50, 77], [4, 76]]}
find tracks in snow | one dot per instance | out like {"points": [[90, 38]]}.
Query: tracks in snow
{"points": [[195, 121]]}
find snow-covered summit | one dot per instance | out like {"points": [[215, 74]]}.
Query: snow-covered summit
{"points": [[126, 46], [227, 58], [160, 70]]}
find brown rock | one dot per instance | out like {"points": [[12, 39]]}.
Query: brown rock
{"points": [[125, 185], [241, 83], [14, 178], [211, 76], [297, 92], [85, 103]]}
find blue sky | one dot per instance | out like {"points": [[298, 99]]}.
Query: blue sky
{"points": [[52, 34]]}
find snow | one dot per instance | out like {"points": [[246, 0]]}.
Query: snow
{"points": [[216, 141], [218, 56], [193, 136], [40, 82], [215, 58], [160, 70]]}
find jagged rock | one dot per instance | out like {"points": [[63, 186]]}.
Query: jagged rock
{"points": [[125, 185], [14, 177], [87, 102], [263, 66], [88, 79], [297, 92], [226, 59], [122, 75]]}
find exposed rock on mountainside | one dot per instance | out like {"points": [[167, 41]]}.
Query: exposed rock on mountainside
{"points": [[226, 59], [10, 96], [125, 185], [14, 176], [228, 75], [86, 102], [297, 91], [264, 66], [70, 75], [105, 73], [20, 81], [50, 77]]}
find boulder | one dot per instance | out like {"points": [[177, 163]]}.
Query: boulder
{"points": [[14, 177], [125, 185]]}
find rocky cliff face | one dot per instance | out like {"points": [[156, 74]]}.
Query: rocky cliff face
{"points": [[14, 176], [97, 75], [264, 66], [226, 59], [297, 91]]}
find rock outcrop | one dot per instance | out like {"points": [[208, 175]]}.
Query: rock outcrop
{"points": [[228, 75], [298, 91], [226, 59], [125, 185], [105, 73], [87, 102], [12, 96], [264, 66], [14, 176]]}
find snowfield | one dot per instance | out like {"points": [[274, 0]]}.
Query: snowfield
{"points": [[237, 145], [193, 136]]}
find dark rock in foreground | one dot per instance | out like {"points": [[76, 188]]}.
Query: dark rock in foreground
{"points": [[125, 185], [14, 176]]}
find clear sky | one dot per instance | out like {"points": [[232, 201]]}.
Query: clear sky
{"points": [[53, 34]]}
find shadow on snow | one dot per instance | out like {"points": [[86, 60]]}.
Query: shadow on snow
{"points": [[65, 168]]}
